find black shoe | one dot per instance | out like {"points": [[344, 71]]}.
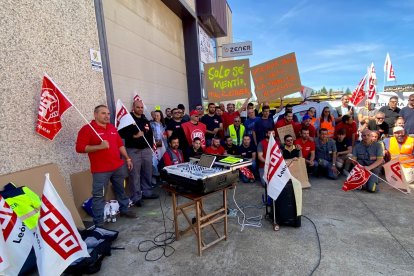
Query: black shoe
{"points": [[153, 196], [138, 203], [129, 214]]}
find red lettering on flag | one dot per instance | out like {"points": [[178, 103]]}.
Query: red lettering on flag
{"points": [[396, 169], [274, 162], [7, 218]]}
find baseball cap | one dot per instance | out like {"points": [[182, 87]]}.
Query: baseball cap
{"points": [[306, 117], [397, 128], [193, 112]]}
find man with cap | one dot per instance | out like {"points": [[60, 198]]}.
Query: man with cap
{"points": [[307, 124], [401, 146], [194, 128]]}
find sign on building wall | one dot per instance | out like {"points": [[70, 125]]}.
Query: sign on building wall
{"points": [[237, 49], [96, 60], [227, 80], [276, 78], [207, 54]]}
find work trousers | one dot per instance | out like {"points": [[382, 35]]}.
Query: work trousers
{"points": [[99, 184], [140, 176]]}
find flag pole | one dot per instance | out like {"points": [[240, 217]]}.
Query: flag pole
{"points": [[74, 107]]}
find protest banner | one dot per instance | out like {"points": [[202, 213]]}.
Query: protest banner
{"points": [[298, 169], [285, 130], [276, 78], [227, 80]]}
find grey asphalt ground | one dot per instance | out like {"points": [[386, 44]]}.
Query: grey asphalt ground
{"points": [[360, 234]]}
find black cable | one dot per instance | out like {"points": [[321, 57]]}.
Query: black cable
{"points": [[159, 243], [383, 225], [319, 246]]}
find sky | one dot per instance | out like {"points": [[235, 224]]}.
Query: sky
{"points": [[334, 41]]}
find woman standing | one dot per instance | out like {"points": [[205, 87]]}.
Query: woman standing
{"points": [[160, 139], [327, 121]]}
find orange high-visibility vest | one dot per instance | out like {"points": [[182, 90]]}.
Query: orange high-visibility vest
{"points": [[329, 126], [314, 120], [403, 153]]}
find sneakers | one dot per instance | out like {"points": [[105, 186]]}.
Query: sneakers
{"points": [[138, 203], [129, 214], [152, 196]]}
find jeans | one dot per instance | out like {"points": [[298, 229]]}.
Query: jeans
{"points": [[140, 176], [100, 182], [327, 166]]}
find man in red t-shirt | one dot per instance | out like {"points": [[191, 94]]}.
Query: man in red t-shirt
{"points": [[306, 124], [307, 147], [261, 153], [194, 128], [106, 164], [173, 155], [215, 147], [350, 127], [287, 120], [228, 117]]}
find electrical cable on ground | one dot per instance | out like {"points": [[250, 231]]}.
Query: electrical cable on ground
{"points": [[255, 221], [319, 246], [159, 243], [383, 225]]}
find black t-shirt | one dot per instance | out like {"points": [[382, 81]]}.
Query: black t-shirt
{"points": [[390, 115], [191, 153], [290, 154], [178, 131], [246, 152], [211, 123], [343, 146], [382, 128], [232, 150]]}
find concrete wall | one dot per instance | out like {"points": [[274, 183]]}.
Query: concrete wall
{"points": [[146, 52], [53, 37], [226, 39]]}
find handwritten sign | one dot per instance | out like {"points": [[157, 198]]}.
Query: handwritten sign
{"points": [[276, 78], [227, 80], [285, 130]]}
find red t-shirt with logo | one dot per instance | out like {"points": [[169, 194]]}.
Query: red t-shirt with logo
{"points": [[219, 151], [192, 131], [102, 160], [228, 119], [307, 147]]}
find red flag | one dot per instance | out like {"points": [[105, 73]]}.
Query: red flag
{"points": [[389, 69], [359, 94], [53, 103], [358, 177], [372, 81]]}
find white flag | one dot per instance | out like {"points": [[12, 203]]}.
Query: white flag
{"points": [[395, 175], [123, 118], [147, 112], [276, 173], [18, 239], [4, 258], [58, 243], [372, 81], [306, 92], [388, 69]]}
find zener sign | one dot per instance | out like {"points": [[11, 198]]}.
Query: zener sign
{"points": [[237, 49]]}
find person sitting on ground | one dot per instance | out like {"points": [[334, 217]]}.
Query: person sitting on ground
{"points": [[307, 124], [215, 147], [289, 150], [173, 155], [379, 125], [236, 131], [375, 137], [370, 155], [261, 153], [247, 150], [326, 154], [344, 148], [229, 146], [307, 148], [350, 127], [195, 150]]}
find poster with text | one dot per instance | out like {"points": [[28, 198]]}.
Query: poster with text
{"points": [[227, 80], [276, 78]]}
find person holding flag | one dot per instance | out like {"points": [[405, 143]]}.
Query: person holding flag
{"points": [[101, 141], [137, 141], [370, 155]]}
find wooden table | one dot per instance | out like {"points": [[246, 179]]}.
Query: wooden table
{"points": [[203, 219]]}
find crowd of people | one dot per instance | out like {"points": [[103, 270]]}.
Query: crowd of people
{"points": [[331, 142]]}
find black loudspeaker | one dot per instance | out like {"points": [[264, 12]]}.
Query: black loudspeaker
{"points": [[285, 207]]}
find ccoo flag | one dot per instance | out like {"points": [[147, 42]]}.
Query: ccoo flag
{"points": [[4, 258], [359, 94], [276, 173], [389, 69], [53, 103], [357, 177], [123, 117], [372, 81], [17, 236], [58, 243]]}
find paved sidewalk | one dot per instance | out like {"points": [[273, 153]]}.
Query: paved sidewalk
{"points": [[360, 234]]}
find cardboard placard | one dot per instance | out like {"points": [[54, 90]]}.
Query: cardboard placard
{"points": [[298, 170], [276, 78], [285, 130], [227, 80]]}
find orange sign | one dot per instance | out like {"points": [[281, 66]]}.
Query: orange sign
{"points": [[276, 78], [227, 80]]}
